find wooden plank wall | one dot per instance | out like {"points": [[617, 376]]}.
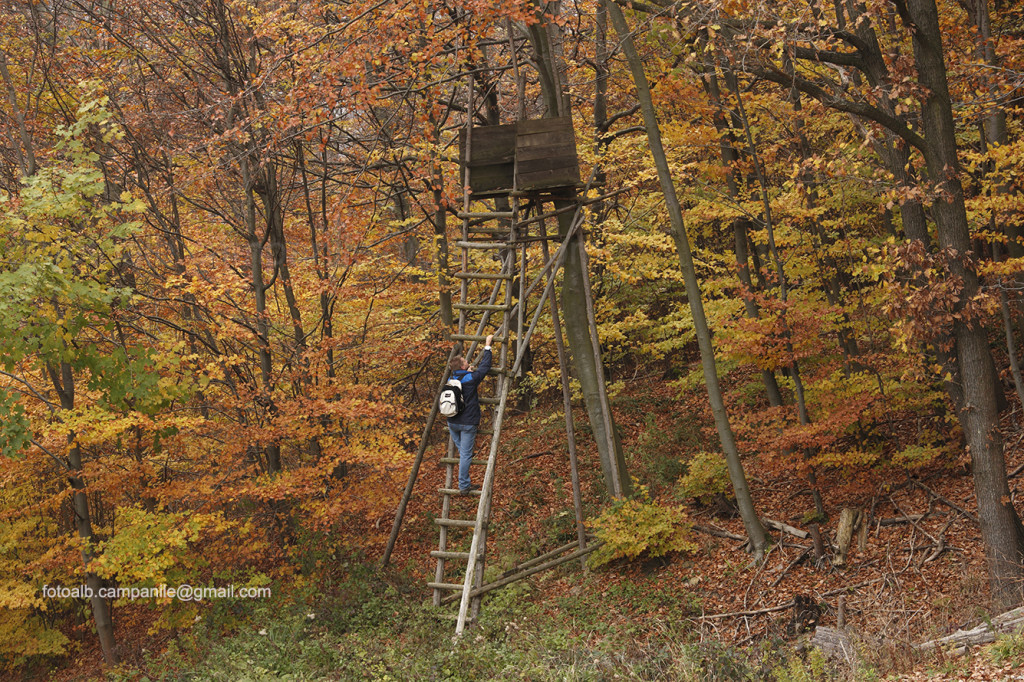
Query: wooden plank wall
{"points": [[546, 154], [492, 161], [542, 152]]}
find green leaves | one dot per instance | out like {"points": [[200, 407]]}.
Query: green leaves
{"points": [[15, 433], [62, 243]]}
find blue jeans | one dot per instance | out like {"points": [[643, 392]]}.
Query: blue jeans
{"points": [[464, 437]]}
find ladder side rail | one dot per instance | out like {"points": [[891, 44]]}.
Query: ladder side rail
{"points": [[483, 506], [559, 255], [449, 476], [442, 544], [520, 318], [431, 418], [400, 513], [497, 418], [495, 291], [464, 284]]}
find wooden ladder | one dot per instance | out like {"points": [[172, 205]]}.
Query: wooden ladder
{"points": [[488, 255]]}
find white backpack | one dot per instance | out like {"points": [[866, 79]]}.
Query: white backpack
{"points": [[451, 402]]}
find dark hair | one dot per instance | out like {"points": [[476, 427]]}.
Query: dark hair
{"points": [[456, 363]]}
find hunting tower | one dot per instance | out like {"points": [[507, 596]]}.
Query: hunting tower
{"points": [[516, 178]]}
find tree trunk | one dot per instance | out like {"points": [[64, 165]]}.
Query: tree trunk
{"points": [[271, 198], [744, 501], [26, 150], [575, 295], [794, 366], [1000, 525], [740, 224], [259, 290], [444, 276], [64, 384]]}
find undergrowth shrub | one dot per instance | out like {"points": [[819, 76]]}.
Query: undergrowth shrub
{"points": [[1007, 649], [363, 627], [813, 669], [640, 526], [707, 477]]}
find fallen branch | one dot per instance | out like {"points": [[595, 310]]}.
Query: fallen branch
{"points": [[840, 590], [916, 525], [944, 501], [718, 532], [786, 528], [771, 609], [788, 604], [940, 547], [800, 557], [910, 518], [531, 456]]}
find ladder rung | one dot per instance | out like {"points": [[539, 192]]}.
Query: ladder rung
{"points": [[484, 400], [482, 245], [456, 491], [481, 306], [485, 214], [473, 337], [485, 432], [455, 460], [438, 554], [484, 275], [456, 523], [446, 586], [494, 371]]}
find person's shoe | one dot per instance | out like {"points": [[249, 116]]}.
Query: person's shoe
{"points": [[471, 488]]}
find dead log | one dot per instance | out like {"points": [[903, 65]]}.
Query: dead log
{"points": [[819, 544], [834, 643], [961, 640], [849, 521]]}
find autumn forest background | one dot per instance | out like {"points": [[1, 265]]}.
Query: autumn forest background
{"points": [[227, 251]]}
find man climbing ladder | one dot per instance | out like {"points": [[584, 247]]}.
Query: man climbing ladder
{"points": [[463, 426]]}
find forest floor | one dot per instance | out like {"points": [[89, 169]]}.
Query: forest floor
{"points": [[917, 574]]}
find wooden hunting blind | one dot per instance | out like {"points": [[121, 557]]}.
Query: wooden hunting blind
{"points": [[527, 156]]}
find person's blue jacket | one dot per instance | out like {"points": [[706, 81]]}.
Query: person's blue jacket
{"points": [[470, 382]]}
